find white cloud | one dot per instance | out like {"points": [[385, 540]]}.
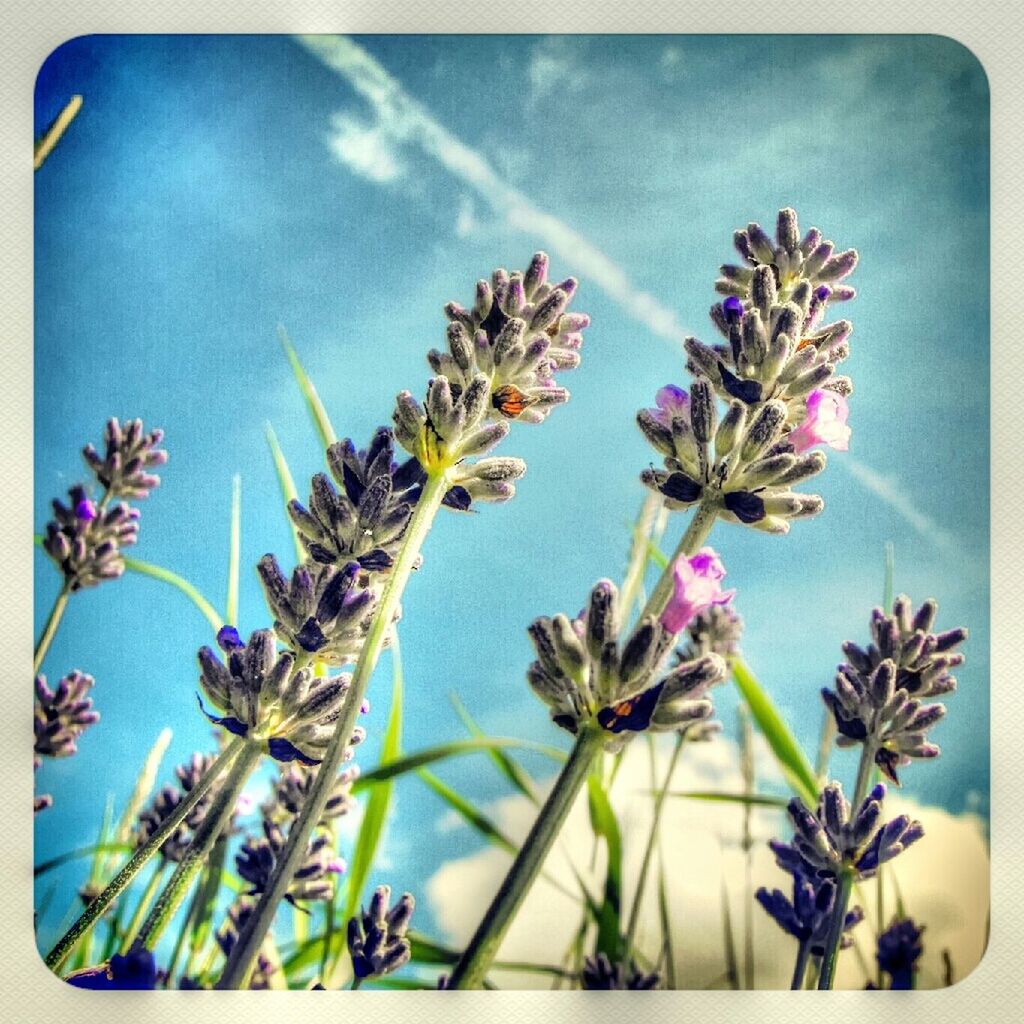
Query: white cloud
{"points": [[894, 494], [368, 150], [466, 222], [554, 68], [401, 120], [943, 879]]}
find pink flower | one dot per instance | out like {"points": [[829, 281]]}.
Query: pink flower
{"points": [[337, 866], [670, 401], [698, 585], [825, 424]]}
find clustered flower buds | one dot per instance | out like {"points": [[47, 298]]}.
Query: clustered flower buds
{"points": [[777, 379], [599, 973], [122, 471], [899, 949], [166, 801], [829, 843], [517, 335], [85, 538], [322, 610], [59, 718], [269, 698], [582, 674], [235, 920], [364, 517], [314, 879], [135, 969], [880, 693], [292, 787], [716, 630], [808, 916], [377, 939]]}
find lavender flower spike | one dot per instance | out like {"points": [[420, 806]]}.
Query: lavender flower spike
{"points": [[268, 700], [123, 470], [808, 916], [313, 881], [899, 950], [376, 937], [599, 973], [879, 697], [62, 715], [582, 674], [831, 842], [518, 334]]}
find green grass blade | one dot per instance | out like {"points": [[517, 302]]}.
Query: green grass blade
{"points": [[157, 572], [732, 972], [286, 482], [316, 408], [507, 765], [371, 829], [206, 898], [77, 854], [605, 825], [666, 925], [890, 574], [466, 810], [235, 555], [457, 748], [748, 799], [143, 787], [788, 753]]}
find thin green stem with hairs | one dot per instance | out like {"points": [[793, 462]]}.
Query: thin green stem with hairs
{"points": [[198, 850], [830, 957], [50, 629], [84, 925], [143, 905], [239, 965], [478, 956]]}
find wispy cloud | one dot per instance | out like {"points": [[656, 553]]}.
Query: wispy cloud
{"points": [[894, 495], [554, 65], [373, 150], [401, 121]]}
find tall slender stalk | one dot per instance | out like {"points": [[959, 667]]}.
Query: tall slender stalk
{"points": [[800, 969], [830, 958], [652, 841], [696, 533], [198, 850], [475, 961], [140, 858], [143, 905], [240, 962], [50, 629]]}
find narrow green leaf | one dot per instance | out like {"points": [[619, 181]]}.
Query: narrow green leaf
{"points": [[372, 827], [657, 556], [434, 954], [791, 758], [206, 897], [316, 408], [605, 825], [235, 554], [166, 576], [467, 811], [732, 972], [143, 787], [507, 765], [391, 770], [286, 482], [751, 799], [666, 925], [82, 851]]}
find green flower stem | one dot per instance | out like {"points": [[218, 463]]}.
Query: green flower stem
{"points": [[659, 804], [84, 925], [696, 534], [474, 963], [835, 932], [239, 964], [50, 629], [800, 969], [144, 901], [198, 850]]}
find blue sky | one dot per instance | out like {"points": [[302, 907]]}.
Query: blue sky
{"points": [[213, 187]]}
